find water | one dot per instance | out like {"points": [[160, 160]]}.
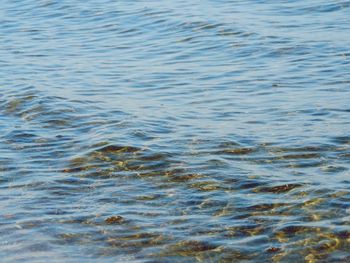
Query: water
{"points": [[174, 131]]}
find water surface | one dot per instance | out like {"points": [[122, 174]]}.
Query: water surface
{"points": [[174, 131]]}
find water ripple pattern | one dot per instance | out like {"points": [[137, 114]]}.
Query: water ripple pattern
{"points": [[174, 131]]}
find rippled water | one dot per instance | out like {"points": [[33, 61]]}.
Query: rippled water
{"points": [[164, 131]]}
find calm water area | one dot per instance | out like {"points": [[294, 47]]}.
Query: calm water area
{"points": [[174, 131]]}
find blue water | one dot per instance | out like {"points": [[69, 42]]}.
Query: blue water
{"points": [[174, 131]]}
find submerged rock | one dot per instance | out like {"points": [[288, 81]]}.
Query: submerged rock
{"points": [[115, 220], [190, 247], [278, 188], [118, 148]]}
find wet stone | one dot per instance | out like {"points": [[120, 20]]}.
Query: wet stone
{"points": [[115, 220], [301, 156], [206, 186], [273, 249], [184, 178], [190, 247], [238, 151], [262, 207], [278, 189], [292, 230], [118, 149]]}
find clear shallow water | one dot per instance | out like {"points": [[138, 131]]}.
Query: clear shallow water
{"points": [[149, 131]]}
